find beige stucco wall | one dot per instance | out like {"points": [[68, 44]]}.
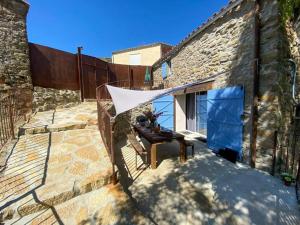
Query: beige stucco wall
{"points": [[180, 109], [148, 56]]}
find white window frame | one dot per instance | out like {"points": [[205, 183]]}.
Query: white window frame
{"points": [[135, 59]]}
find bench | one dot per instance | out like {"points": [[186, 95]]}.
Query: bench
{"points": [[139, 149]]}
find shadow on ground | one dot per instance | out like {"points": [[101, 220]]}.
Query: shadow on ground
{"points": [[25, 172], [207, 190]]}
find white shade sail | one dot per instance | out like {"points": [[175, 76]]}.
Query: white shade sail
{"points": [[125, 100]]}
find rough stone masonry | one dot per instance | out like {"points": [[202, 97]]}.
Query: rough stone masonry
{"points": [[14, 50], [227, 45], [49, 98], [15, 61]]}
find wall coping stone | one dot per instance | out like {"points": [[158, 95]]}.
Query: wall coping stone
{"points": [[11, 4]]}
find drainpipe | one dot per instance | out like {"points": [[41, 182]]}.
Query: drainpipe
{"points": [[255, 88]]}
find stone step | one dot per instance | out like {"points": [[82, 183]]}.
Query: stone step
{"points": [[48, 169], [107, 205], [77, 117], [28, 129]]}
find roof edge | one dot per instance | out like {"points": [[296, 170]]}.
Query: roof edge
{"points": [[25, 2], [141, 47], [231, 5]]}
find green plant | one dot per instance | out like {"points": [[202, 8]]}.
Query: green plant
{"points": [[289, 9], [288, 177]]}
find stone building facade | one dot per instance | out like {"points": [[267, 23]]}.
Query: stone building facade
{"points": [[14, 51], [225, 46]]}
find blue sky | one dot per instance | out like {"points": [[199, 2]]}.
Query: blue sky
{"points": [[103, 26]]}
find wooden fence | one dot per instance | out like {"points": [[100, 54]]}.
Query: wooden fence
{"points": [[52, 68]]}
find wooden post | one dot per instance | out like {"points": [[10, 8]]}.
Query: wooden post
{"points": [[95, 77], [107, 80], [11, 121], [182, 151], [153, 156], [80, 71], [114, 175], [129, 77]]}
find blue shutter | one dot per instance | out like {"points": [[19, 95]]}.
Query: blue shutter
{"points": [[225, 126], [165, 105]]}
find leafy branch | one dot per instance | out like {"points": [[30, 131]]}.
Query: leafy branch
{"points": [[289, 9]]}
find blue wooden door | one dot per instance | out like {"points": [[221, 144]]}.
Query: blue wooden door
{"points": [[165, 105], [225, 108]]}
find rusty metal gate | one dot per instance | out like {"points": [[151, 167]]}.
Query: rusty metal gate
{"points": [[96, 72]]}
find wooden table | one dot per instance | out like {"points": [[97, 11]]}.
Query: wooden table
{"points": [[156, 139]]}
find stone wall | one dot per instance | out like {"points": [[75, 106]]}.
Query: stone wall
{"points": [[122, 125], [14, 53], [48, 98], [289, 49], [227, 46], [14, 58], [123, 122], [270, 73]]}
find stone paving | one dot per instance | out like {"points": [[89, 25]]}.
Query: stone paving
{"points": [[207, 190], [77, 117], [106, 206], [47, 167], [58, 173]]}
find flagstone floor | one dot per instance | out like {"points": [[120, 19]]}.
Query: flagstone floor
{"points": [[206, 190], [58, 173], [59, 162]]}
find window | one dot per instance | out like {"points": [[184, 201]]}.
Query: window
{"points": [[135, 59], [169, 67], [196, 112], [201, 112], [166, 69]]}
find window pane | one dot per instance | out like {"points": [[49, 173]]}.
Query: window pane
{"points": [[169, 68], [164, 70], [201, 113], [135, 59]]}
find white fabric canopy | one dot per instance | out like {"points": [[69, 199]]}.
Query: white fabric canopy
{"points": [[125, 99]]}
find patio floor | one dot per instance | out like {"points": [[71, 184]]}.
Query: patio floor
{"points": [[108, 205], [59, 156], [58, 171], [206, 190]]}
